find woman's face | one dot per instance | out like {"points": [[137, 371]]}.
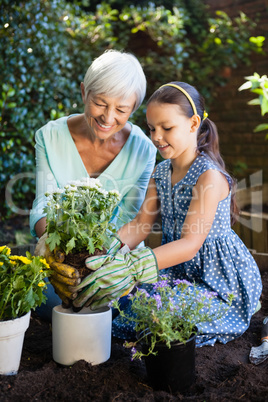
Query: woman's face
{"points": [[105, 115]]}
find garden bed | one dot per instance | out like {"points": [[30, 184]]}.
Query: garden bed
{"points": [[223, 372]]}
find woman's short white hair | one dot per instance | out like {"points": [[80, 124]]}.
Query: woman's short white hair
{"points": [[116, 74]]}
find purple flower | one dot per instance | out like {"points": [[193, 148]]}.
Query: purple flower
{"points": [[182, 282], [133, 351], [144, 292], [158, 301], [160, 284], [211, 295], [171, 303]]}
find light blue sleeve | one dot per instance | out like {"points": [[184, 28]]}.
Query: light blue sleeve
{"points": [[57, 162], [43, 175]]}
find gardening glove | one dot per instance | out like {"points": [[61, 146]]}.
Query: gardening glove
{"points": [[114, 276], [64, 275]]}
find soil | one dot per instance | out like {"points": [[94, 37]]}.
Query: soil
{"points": [[223, 372], [77, 260]]}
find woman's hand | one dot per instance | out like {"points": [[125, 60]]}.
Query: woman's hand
{"points": [[62, 275]]}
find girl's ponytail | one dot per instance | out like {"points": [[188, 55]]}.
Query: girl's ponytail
{"points": [[208, 141]]}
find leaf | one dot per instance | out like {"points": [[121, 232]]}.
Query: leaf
{"points": [[254, 102], [90, 246], [264, 106], [261, 127], [246, 85], [53, 240], [29, 300], [70, 245], [18, 283]]}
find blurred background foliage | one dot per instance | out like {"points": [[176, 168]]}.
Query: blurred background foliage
{"points": [[47, 46]]}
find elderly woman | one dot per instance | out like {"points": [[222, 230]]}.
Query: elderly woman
{"points": [[100, 142]]}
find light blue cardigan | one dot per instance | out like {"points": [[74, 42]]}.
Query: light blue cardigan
{"points": [[58, 161]]}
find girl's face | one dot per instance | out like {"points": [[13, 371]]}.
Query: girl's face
{"points": [[105, 115], [171, 131]]}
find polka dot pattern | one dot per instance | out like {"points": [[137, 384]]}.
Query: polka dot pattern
{"points": [[223, 264]]}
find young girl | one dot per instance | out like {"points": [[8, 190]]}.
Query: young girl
{"points": [[193, 191]]}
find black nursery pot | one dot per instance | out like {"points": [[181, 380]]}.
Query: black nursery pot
{"points": [[172, 369]]}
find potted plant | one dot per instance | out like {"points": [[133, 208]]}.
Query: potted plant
{"points": [[79, 224], [22, 288], [166, 325], [79, 219]]}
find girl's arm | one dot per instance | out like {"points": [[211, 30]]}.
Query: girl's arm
{"points": [[134, 232], [211, 188]]}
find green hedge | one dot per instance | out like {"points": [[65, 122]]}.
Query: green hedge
{"points": [[46, 47]]}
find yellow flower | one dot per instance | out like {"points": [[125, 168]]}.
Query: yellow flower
{"points": [[45, 263], [21, 258], [41, 284], [1, 263], [8, 249]]}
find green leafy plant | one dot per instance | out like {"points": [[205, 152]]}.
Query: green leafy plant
{"points": [[79, 216], [170, 313], [22, 283], [259, 86]]}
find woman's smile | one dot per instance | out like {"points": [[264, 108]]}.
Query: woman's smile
{"points": [[104, 126], [106, 116]]}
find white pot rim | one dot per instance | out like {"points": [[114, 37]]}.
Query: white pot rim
{"points": [[84, 311]]}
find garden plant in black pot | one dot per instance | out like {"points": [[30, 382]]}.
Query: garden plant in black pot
{"points": [[166, 323]]}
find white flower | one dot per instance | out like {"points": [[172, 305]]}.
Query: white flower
{"points": [[58, 191], [86, 182], [103, 192], [114, 192]]}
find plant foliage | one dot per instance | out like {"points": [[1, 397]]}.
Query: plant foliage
{"points": [[259, 86], [79, 216], [170, 313], [21, 283]]}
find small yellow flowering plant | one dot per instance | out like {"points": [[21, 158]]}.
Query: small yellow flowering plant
{"points": [[22, 283]]}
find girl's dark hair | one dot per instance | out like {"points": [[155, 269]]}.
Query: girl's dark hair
{"points": [[207, 137]]}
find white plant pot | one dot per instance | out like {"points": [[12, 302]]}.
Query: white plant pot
{"points": [[11, 342], [85, 335]]}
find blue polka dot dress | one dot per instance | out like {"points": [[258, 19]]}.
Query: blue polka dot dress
{"points": [[223, 264]]}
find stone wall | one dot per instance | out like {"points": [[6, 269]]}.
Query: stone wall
{"points": [[234, 118]]}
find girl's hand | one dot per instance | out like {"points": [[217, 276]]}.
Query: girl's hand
{"points": [[115, 275]]}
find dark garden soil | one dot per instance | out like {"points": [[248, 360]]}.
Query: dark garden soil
{"points": [[223, 372]]}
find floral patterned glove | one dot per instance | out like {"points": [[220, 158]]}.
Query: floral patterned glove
{"points": [[114, 276]]}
